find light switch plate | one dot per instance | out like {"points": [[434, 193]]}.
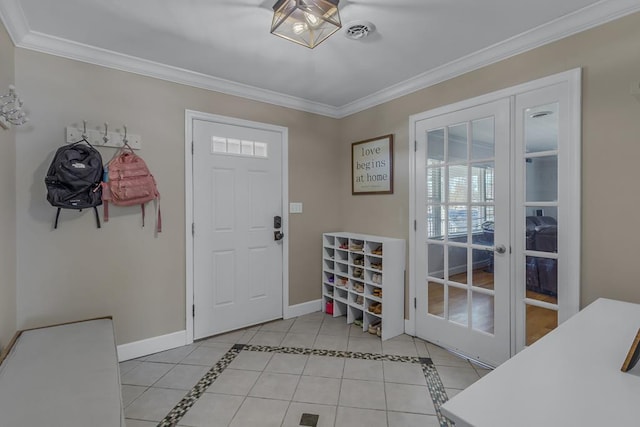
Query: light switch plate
{"points": [[295, 207]]}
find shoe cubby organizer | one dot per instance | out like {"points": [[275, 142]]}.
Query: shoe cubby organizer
{"points": [[363, 279]]}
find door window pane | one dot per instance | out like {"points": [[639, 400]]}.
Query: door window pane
{"points": [[458, 264], [435, 147], [436, 215], [482, 312], [541, 128], [435, 256], [458, 143], [458, 311], [457, 225], [482, 182], [542, 179], [540, 321], [541, 230], [458, 184], [483, 144], [482, 269], [541, 277], [435, 185], [435, 296]]}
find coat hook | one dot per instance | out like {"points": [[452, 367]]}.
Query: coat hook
{"points": [[105, 138], [84, 126], [125, 134]]}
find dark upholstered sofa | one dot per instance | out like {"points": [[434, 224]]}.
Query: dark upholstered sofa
{"points": [[542, 273]]}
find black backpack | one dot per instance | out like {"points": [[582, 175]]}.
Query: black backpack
{"points": [[74, 177]]}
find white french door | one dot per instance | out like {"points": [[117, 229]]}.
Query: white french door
{"points": [[495, 251], [237, 212], [462, 202], [546, 213]]}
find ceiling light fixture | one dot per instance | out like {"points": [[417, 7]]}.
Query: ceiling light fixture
{"points": [[306, 22]]}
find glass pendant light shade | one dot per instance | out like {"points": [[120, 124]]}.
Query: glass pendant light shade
{"points": [[306, 22]]}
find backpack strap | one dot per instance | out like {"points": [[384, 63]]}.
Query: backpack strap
{"points": [[105, 210], [95, 209], [55, 224], [159, 219]]}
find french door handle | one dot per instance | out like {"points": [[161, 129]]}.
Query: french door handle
{"points": [[500, 249]]}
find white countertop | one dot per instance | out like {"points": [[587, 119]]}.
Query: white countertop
{"points": [[571, 377]]}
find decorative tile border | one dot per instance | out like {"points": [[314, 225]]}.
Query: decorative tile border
{"points": [[434, 384], [196, 392]]}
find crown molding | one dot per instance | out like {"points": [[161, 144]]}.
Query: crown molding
{"points": [[598, 13], [81, 52]]}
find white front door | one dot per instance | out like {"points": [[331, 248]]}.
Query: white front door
{"points": [[462, 231], [237, 200]]}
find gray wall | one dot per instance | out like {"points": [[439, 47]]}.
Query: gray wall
{"points": [[7, 206], [78, 271]]}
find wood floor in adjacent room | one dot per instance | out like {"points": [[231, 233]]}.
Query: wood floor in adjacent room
{"points": [[539, 321]]}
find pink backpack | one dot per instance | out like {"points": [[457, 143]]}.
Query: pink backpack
{"points": [[128, 182]]}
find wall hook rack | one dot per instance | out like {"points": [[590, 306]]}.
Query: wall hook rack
{"points": [[102, 137], [11, 112]]}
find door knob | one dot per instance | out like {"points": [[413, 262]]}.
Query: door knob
{"points": [[278, 235], [500, 249]]}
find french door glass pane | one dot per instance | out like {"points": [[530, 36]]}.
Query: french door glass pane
{"points": [[540, 321], [435, 147], [458, 184], [435, 185], [435, 298], [482, 182], [458, 143], [458, 264], [542, 179], [541, 128], [483, 144], [541, 231], [482, 312], [482, 276], [542, 278], [457, 230], [436, 260], [436, 215], [458, 305]]}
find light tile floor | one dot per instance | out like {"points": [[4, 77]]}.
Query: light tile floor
{"points": [[275, 389]]}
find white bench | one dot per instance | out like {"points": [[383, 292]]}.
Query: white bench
{"points": [[62, 376]]}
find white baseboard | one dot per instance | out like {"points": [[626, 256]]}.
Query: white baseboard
{"points": [[409, 327], [148, 346], [303, 308]]}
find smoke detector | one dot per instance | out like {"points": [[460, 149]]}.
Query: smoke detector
{"points": [[359, 29]]}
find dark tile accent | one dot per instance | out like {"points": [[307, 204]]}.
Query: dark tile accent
{"points": [[437, 391], [196, 392], [425, 360], [238, 347], [309, 420]]}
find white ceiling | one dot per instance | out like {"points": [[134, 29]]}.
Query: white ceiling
{"points": [[226, 45]]}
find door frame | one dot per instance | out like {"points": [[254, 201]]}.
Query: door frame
{"points": [[571, 174], [190, 116]]}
